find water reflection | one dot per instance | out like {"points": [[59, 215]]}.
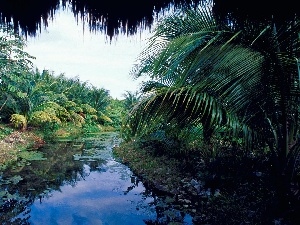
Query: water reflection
{"points": [[25, 182], [82, 183]]}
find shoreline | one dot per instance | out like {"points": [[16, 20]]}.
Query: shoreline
{"points": [[232, 197]]}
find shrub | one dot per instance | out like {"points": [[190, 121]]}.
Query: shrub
{"points": [[18, 121], [41, 118], [87, 109], [77, 119]]}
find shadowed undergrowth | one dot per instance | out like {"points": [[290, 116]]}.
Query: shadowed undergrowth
{"points": [[232, 188]]}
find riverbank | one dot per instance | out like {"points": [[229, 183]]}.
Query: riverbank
{"points": [[14, 142], [18, 144], [232, 189]]}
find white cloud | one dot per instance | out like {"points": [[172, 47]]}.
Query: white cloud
{"points": [[65, 47]]}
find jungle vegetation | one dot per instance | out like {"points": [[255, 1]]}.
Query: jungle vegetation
{"points": [[53, 104], [224, 84], [223, 90]]}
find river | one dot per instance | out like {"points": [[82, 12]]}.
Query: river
{"points": [[81, 183]]}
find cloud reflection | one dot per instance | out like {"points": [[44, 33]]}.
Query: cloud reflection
{"points": [[95, 200]]}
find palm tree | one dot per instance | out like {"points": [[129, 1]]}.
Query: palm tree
{"points": [[242, 79], [130, 99]]}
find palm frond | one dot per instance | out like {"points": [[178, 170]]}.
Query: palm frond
{"points": [[186, 106]]}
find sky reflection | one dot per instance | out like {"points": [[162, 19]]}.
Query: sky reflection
{"points": [[98, 199]]}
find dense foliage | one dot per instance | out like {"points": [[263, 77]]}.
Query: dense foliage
{"points": [[223, 92], [30, 98], [222, 83]]}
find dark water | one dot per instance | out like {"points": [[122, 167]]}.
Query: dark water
{"points": [[82, 183]]}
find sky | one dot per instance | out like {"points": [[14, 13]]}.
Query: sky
{"points": [[65, 47]]}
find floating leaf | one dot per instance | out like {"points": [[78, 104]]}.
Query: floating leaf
{"points": [[32, 155]]}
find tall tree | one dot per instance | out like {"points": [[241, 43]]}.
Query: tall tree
{"points": [[15, 69]]}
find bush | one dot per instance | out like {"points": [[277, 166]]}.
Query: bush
{"points": [[87, 109], [18, 121], [42, 118]]}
